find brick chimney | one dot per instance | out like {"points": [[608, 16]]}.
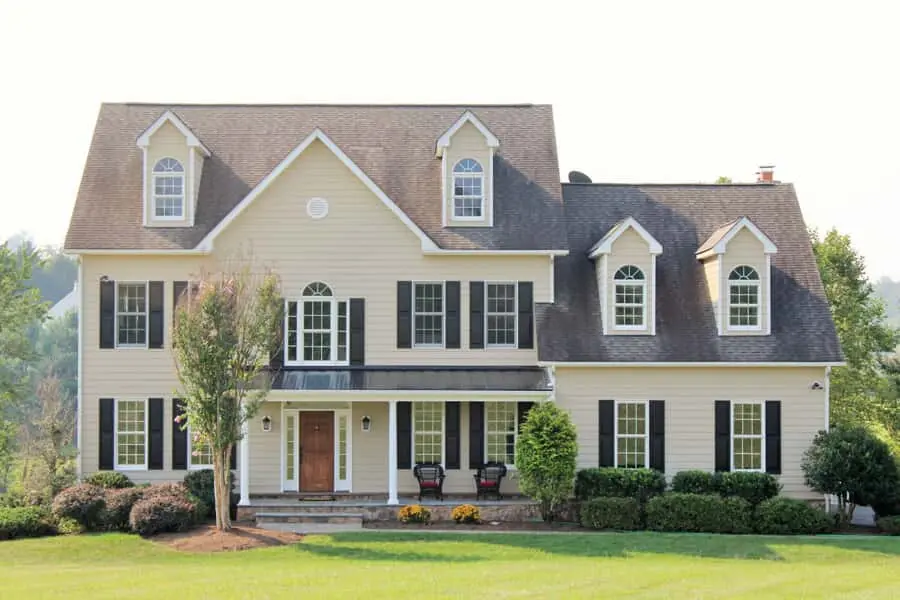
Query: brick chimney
{"points": [[766, 174]]}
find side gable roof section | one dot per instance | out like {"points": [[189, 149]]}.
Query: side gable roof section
{"points": [[206, 244], [467, 117], [718, 241], [604, 246], [169, 117]]}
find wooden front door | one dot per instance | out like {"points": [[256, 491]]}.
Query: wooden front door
{"points": [[316, 451]]}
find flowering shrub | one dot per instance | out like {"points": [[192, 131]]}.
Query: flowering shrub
{"points": [[177, 490], [414, 513], [83, 503], [466, 513], [119, 503], [161, 513]]}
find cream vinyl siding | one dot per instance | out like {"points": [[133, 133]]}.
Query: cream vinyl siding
{"points": [[745, 249], [713, 283], [199, 159], [468, 142], [168, 142], [629, 249], [690, 395]]}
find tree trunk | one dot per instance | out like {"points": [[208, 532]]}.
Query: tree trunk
{"points": [[222, 493]]}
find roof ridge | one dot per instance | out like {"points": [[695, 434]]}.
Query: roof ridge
{"points": [[752, 184], [316, 104]]}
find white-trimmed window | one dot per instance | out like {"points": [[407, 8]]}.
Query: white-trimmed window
{"points": [[468, 190], [428, 432], [131, 435], [168, 189], [131, 315], [501, 315], [743, 298], [428, 314], [501, 427], [632, 438], [316, 327], [630, 298], [747, 433], [200, 453]]}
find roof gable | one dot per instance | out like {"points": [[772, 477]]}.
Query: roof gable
{"points": [[467, 117], [169, 117], [717, 243], [604, 246]]}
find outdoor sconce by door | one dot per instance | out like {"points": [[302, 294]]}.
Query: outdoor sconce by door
{"points": [[266, 423], [366, 423]]}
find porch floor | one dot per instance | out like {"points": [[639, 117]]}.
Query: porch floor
{"points": [[294, 502]]}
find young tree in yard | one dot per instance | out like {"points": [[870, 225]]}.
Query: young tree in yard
{"points": [[545, 457], [48, 448], [225, 331]]}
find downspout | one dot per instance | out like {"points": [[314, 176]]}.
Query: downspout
{"points": [[79, 398], [828, 422]]}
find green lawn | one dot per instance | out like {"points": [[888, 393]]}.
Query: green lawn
{"points": [[409, 565]]}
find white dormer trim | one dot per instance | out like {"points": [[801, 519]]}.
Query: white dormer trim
{"points": [[206, 244], [604, 246], [169, 117], [467, 117], [739, 225]]}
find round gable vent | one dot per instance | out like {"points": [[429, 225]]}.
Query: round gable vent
{"points": [[317, 208]]}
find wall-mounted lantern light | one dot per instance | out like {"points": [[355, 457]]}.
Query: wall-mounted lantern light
{"points": [[366, 423], [266, 423]]}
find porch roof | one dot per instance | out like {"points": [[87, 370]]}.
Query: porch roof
{"points": [[524, 379]]}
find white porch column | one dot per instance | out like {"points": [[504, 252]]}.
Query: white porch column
{"points": [[392, 453], [245, 465]]}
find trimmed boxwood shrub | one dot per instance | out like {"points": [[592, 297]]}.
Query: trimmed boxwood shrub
{"points": [[84, 503], [889, 525], [110, 480], [25, 521], [698, 512], [611, 513], [696, 482], [119, 503], [640, 484], [200, 485], [161, 513], [752, 487], [786, 516]]}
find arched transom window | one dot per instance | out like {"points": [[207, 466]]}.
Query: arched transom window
{"points": [[630, 298], [316, 327], [168, 189], [468, 190], [743, 298]]}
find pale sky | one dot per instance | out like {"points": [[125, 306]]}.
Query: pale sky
{"points": [[641, 91]]}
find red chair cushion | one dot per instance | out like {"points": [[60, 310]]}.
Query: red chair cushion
{"points": [[429, 484], [487, 484]]}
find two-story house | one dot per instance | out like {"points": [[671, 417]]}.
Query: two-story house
{"points": [[439, 280]]}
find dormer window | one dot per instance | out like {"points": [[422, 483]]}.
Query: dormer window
{"points": [[168, 189], [468, 190], [630, 298], [743, 298]]}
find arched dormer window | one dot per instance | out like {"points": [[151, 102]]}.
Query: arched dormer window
{"points": [[316, 327], [743, 298], [168, 189], [630, 302], [468, 190]]}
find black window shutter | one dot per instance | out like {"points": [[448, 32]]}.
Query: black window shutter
{"points": [[179, 288], [607, 433], [723, 435], [526, 314], [476, 315], [357, 331], [404, 314], [451, 448], [404, 435], [157, 315], [476, 435], [773, 437], [107, 434], [658, 435], [276, 359], [155, 425], [453, 316], [107, 314], [232, 461], [179, 437], [522, 409]]}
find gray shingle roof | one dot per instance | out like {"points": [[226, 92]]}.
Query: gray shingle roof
{"points": [[525, 379], [716, 236], [681, 217], [393, 145]]}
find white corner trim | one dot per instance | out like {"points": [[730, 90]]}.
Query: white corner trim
{"points": [[767, 281], [445, 200], [668, 365], [604, 295], [652, 318], [490, 195], [207, 242], [169, 117], [144, 170], [739, 225], [552, 279], [827, 398], [721, 300], [605, 244], [79, 399], [190, 202], [467, 117]]}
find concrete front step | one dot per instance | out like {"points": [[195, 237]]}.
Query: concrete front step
{"points": [[306, 522]]}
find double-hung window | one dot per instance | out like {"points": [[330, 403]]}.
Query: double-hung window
{"points": [[630, 298], [131, 315], [316, 328], [632, 435], [743, 298], [500, 315], [468, 190], [131, 435], [747, 433], [428, 314], [200, 452], [168, 189], [501, 429], [428, 432]]}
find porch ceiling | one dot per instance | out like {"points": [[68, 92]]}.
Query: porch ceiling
{"points": [[525, 379]]}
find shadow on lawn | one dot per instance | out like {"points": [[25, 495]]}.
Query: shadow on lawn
{"points": [[335, 549]]}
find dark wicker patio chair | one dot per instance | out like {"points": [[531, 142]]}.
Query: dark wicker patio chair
{"points": [[488, 479], [431, 479]]}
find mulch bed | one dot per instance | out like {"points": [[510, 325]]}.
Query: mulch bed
{"points": [[486, 526], [242, 537]]}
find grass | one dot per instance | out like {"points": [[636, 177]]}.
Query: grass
{"points": [[406, 565]]}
